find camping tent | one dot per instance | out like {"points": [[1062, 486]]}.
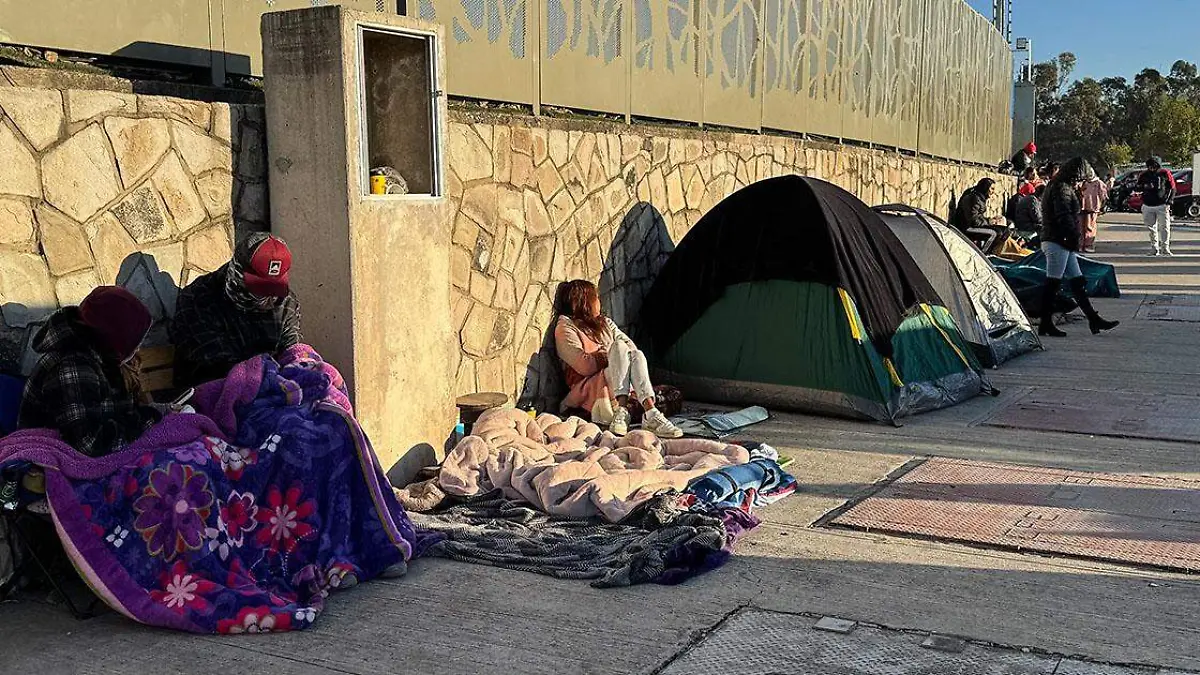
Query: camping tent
{"points": [[793, 293], [984, 307]]}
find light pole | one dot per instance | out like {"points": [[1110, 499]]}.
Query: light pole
{"points": [[1026, 45], [1024, 98]]}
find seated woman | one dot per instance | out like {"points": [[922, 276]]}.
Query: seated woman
{"points": [[85, 385], [243, 309], [603, 366]]}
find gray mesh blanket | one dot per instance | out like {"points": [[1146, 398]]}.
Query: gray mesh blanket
{"points": [[664, 541]]}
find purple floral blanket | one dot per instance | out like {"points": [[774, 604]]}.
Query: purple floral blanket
{"points": [[238, 519]]}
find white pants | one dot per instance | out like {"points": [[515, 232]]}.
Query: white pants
{"points": [[1158, 221], [627, 372]]}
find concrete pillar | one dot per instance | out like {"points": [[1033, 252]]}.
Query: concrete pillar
{"points": [[1024, 114], [372, 272]]}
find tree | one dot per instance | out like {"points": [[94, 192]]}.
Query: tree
{"points": [[1112, 120], [1173, 130], [1184, 81], [1113, 155], [1048, 80]]}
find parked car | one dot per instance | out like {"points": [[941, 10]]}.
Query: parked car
{"points": [[1186, 202], [1118, 197]]}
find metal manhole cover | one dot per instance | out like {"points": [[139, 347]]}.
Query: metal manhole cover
{"points": [[1104, 413], [758, 642], [1129, 519], [1170, 308]]}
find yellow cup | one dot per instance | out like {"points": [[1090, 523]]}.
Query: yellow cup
{"points": [[379, 185]]}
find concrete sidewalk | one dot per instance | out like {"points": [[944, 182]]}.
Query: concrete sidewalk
{"points": [[456, 618]]}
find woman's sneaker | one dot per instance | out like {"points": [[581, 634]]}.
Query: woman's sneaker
{"points": [[657, 423], [620, 421]]}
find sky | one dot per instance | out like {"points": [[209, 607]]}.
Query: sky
{"points": [[1109, 37]]}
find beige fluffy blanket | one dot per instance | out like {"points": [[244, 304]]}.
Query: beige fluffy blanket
{"points": [[569, 468]]}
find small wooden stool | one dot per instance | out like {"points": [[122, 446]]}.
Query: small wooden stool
{"points": [[471, 406]]}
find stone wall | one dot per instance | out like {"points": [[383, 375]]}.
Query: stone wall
{"points": [[110, 186], [539, 201], [102, 187]]}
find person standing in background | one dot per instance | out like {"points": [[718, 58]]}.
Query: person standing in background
{"points": [[1157, 186], [1093, 196]]}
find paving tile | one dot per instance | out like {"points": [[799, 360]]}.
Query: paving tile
{"points": [[1130, 519]]}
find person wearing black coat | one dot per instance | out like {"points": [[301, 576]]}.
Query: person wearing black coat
{"points": [[1060, 242], [970, 216]]}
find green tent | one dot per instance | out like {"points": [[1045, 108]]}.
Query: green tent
{"points": [[792, 293]]}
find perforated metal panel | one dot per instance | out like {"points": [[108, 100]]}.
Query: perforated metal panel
{"points": [[489, 46], [584, 64], [928, 75], [666, 59], [731, 63]]}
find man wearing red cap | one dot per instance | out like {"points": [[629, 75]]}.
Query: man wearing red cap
{"points": [[1024, 158], [243, 309], [83, 385]]}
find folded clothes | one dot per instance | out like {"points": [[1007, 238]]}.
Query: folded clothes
{"points": [[756, 483]]}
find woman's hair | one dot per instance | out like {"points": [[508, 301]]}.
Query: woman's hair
{"points": [[131, 373], [1030, 173], [578, 297], [985, 184], [1076, 170]]}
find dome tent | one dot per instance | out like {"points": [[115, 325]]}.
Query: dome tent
{"points": [[793, 293], [984, 307]]}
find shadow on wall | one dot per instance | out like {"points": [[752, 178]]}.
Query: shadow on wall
{"points": [[139, 273], [639, 249]]}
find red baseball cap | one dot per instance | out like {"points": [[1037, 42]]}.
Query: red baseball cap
{"points": [[1031, 148], [267, 273]]}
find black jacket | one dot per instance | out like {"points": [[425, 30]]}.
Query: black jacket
{"points": [[1027, 217], [212, 334], [79, 392], [971, 211], [1060, 215], [1157, 187]]}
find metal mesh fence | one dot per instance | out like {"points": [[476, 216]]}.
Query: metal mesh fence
{"points": [[932, 76]]}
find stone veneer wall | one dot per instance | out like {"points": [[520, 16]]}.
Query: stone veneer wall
{"points": [[108, 186], [103, 187], [538, 201]]}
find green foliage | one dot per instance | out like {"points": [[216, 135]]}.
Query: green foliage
{"points": [[1111, 121], [1173, 129], [1113, 155]]}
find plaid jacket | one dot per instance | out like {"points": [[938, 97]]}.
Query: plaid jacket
{"points": [[79, 393], [212, 335]]}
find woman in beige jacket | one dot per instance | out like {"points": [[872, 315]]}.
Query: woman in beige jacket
{"points": [[603, 366]]}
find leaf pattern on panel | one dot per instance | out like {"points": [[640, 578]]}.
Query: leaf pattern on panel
{"points": [[665, 33], [732, 43], [492, 21], [593, 27], [785, 42]]}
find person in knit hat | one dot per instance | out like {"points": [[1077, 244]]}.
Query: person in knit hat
{"points": [[84, 384], [240, 311]]}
